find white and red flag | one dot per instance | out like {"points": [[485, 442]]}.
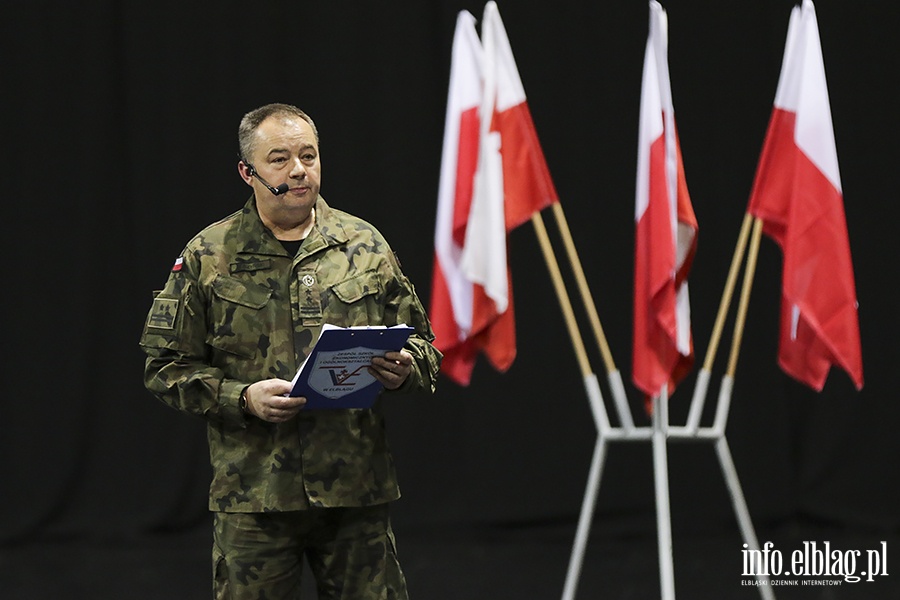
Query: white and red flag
{"points": [[797, 194], [493, 178], [666, 230], [452, 292]]}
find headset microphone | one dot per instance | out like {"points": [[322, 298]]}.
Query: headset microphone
{"points": [[281, 189]]}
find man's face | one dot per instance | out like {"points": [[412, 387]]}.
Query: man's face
{"points": [[286, 151]]}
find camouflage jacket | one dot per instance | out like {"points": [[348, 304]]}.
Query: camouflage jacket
{"points": [[236, 309]]}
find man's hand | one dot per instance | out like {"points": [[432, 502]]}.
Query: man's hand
{"points": [[267, 400], [392, 369]]}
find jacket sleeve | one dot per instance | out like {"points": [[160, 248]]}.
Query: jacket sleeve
{"points": [[404, 306], [177, 369]]}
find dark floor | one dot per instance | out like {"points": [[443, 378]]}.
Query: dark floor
{"points": [[490, 562]]}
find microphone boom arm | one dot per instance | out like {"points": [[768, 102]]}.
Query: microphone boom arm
{"points": [[277, 191]]}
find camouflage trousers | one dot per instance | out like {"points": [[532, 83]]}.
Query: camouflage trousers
{"points": [[350, 551]]}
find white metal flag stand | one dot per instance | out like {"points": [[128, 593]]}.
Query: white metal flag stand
{"points": [[660, 432], [658, 435]]}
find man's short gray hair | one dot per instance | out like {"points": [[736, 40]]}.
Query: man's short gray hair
{"points": [[254, 118]]}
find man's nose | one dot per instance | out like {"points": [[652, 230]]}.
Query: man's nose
{"points": [[298, 169]]}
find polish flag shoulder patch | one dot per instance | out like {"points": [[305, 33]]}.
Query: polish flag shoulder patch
{"points": [[178, 263]]}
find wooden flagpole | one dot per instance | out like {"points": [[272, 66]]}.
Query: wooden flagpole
{"points": [[612, 373], [702, 384], [598, 409], [728, 379], [561, 294], [745, 296], [588, 300]]}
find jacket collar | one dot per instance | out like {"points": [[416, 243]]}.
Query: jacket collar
{"points": [[258, 239]]}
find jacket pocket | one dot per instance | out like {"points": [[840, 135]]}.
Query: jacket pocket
{"points": [[238, 318], [357, 300]]}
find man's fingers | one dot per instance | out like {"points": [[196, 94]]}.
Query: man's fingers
{"points": [[288, 402]]}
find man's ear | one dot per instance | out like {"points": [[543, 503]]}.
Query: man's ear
{"points": [[246, 172]]}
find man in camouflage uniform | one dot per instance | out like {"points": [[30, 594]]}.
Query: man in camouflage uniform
{"points": [[242, 307]]}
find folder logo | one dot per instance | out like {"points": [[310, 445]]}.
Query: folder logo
{"points": [[336, 374]]}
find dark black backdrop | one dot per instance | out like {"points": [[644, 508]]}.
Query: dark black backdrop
{"points": [[120, 121]]}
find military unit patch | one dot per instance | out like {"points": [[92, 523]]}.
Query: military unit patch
{"points": [[162, 314]]}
